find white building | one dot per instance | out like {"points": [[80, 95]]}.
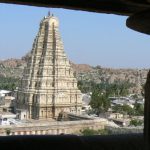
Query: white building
{"points": [[6, 117]]}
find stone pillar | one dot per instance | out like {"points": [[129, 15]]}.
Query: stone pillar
{"points": [[33, 132], [44, 132], [38, 132], [55, 131], [27, 132]]}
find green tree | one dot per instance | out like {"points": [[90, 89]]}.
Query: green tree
{"points": [[104, 132], [117, 108], [125, 109], [8, 131], [99, 101], [139, 109], [136, 122], [88, 132], [8, 83], [135, 96]]}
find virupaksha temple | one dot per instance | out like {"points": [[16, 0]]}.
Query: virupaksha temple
{"points": [[48, 86]]}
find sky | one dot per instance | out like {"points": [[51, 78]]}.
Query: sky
{"points": [[89, 38]]}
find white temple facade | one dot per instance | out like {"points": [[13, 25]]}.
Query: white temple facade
{"points": [[48, 85]]}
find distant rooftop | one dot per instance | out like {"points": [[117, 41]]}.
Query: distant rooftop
{"points": [[4, 91]]}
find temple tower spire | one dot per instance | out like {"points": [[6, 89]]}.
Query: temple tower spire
{"points": [[48, 85], [49, 13]]}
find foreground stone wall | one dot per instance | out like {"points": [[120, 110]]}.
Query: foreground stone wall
{"points": [[124, 130], [55, 128]]}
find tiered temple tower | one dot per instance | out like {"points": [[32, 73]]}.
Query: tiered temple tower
{"points": [[48, 85]]}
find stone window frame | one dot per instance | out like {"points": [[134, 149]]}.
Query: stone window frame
{"points": [[80, 5]]}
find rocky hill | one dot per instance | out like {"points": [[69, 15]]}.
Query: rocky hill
{"points": [[14, 68], [81, 68], [100, 75]]}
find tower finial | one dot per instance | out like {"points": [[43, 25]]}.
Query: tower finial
{"points": [[49, 13]]}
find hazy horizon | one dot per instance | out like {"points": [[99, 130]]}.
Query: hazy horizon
{"points": [[89, 38], [90, 65]]}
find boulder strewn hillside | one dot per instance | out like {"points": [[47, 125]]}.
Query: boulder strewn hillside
{"points": [[14, 68], [11, 67], [81, 68]]}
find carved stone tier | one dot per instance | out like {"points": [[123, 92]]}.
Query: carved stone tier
{"points": [[48, 86]]}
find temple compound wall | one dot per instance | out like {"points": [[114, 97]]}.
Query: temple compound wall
{"points": [[53, 128]]}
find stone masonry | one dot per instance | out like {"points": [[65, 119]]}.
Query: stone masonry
{"points": [[53, 128], [48, 85]]}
